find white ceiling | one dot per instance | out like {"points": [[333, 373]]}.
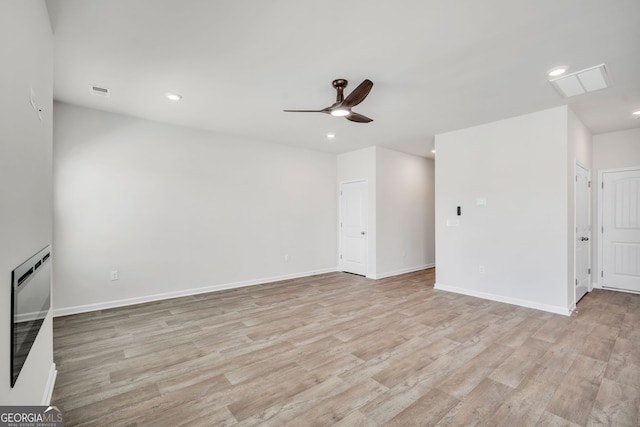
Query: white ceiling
{"points": [[437, 65]]}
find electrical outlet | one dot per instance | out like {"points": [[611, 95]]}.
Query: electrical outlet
{"points": [[481, 269], [114, 275]]}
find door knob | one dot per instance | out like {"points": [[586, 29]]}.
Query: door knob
{"points": [[362, 232], [584, 239]]}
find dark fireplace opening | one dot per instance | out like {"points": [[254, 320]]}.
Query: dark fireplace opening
{"points": [[30, 303]]}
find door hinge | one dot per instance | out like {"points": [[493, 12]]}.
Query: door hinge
{"points": [[341, 193], [589, 184], [602, 229], [340, 256], [576, 282], [602, 184], [588, 271], [602, 274]]}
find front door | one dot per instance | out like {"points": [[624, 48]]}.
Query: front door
{"points": [[583, 232], [621, 230], [353, 227]]}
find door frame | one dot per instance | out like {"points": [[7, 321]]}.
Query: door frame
{"points": [[577, 165], [340, 212], [600, 225]]}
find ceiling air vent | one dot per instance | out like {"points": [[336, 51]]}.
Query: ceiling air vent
{"points": [[587, 80], [100, 91]]}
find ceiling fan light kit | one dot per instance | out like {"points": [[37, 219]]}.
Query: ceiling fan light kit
{"points": [[342, 106], [340, 113]]}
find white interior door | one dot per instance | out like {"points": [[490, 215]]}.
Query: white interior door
{"points": [[353, 227], [621, 230], [583, 232]]}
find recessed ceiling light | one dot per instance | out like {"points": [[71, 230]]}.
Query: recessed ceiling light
{"points": [[636, 114], [331, 135], [558, 71], [173, 96]]}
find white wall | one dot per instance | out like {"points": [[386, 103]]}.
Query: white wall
{"points": [[579, 150], [177, 210], [614, 150], [25, 181], [580, 141], [519, 166], [401, 208], [356, 166], [405, 205]]}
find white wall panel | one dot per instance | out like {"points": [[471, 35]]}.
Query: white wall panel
{"points": [[405, 212], [175, 210], [510, 180], [26, 44], [613, 150]]}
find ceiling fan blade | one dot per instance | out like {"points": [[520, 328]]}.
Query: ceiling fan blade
{"points": [[355, 117], [306, 111], [358, 94]]}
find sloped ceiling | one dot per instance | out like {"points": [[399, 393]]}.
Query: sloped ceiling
{"points": [[437, 65]]}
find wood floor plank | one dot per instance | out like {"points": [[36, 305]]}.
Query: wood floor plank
{"points": [[563, 352], [548, 419], [334, 409], [525, 406], [518, 334], [253, 397], [600, 342], [574, 398], [516, 367], [461, 382], [284, 410], [387, 405], [615, 405], [355, 419], [426, 411], [624, 365], [409, 366], [339, 349], [98, 410], [478, 405]]}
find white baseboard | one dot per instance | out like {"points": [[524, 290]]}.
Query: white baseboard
{"points": [[399, 272], [51, 382], [187, 292], [565, 311]]}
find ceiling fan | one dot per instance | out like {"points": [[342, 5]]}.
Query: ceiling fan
{"points": [[342, 106]]}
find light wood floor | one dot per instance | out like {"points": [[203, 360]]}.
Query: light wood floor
{"points": [[338, 349]]}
